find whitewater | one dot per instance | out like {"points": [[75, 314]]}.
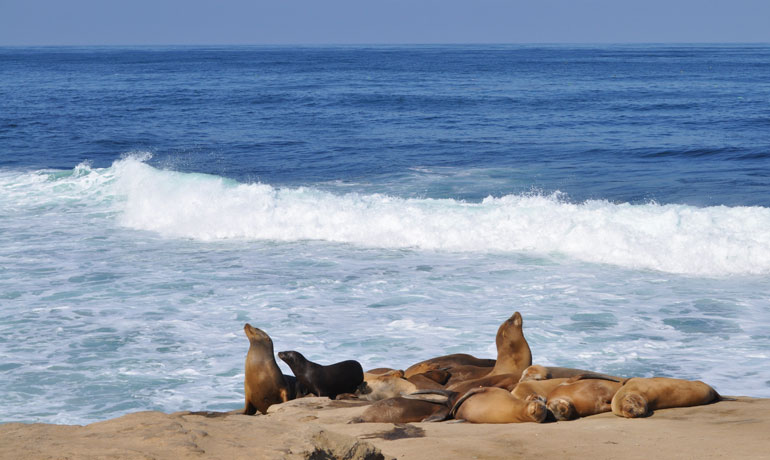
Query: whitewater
{"points": [[126, 287]]}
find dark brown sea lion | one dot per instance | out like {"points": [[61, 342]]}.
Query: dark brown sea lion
{"points": [[331, 380], [430, 380], [447, 362], [581, 398], [264, 383], [505, 381], [403, 410], [538, 372], [638, 397], [497, 405]]}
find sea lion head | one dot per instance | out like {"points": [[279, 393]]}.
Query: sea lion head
{"points": [[534, 372], [291, 357], [509, 327], [633, 405], [257, 336], [562, 409], [537, 411]]}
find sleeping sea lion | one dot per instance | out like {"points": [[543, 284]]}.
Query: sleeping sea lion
{"points": [[539, 388], [403, 410], [581, 398], [331, 380], [538, 372], [447, 362], [638, 397], [497, 405], [264, 383], [376, 387]]}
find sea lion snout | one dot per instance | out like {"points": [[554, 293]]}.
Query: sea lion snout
{"points": [[633, 405], [537, 411], [561, 409]]}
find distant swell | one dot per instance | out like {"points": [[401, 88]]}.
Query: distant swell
{"points": [[712, 241]]}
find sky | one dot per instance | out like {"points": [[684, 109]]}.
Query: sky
{"points": [[315, 22]]}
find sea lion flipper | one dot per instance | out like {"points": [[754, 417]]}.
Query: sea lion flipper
{"points": [[439, 416], [284, 394]]}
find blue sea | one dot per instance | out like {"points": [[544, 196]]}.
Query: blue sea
{"points": [[385, 204]]}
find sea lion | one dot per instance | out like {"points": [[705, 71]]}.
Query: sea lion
{"points": [[434, 379], [538, 372], [506, 381], [513, 354], [447, 362], [497, 405], [383, 370], [581, 398], [403, 410], [264, 383], [539, 388], [331, 380], [389, 385], [638, 397]]}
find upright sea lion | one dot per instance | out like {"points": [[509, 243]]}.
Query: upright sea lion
{"points": [[538, 372], [581, 398], [497, 405], [638, 397], [447, 362], [331, 380], [264, 383], [513, 354]]}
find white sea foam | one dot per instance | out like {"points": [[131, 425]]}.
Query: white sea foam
{"points": [[670, 238], [155, 316]]}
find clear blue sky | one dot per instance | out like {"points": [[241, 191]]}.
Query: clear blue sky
{"points": [[147, 22]]}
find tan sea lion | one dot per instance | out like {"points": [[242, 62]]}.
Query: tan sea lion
{"points": [[538, 372], [497, 405], [539, 388], [581, 398], [638, 397], [389, 385], [264, 383], [513, 354], [447, 362]]}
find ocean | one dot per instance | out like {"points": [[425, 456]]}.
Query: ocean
{"points": [[379, 203]]}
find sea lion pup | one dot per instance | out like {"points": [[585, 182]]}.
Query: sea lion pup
{"points": [[581, 398], [538, 372], [331, 380], [638, 397], [376, 387], [447, 362], [497, 405], [264, 383], [403, 410], [513, 354]]}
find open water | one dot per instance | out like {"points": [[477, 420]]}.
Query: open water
{"points": [[385, 204]]}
